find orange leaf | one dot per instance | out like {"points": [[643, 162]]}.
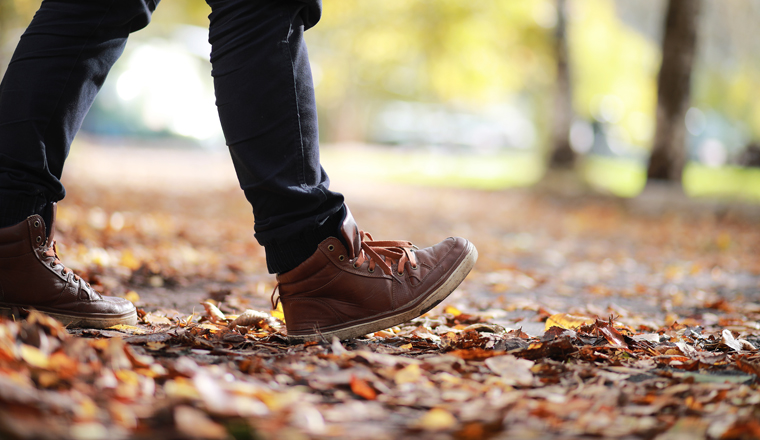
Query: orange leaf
{"points": [[361, 388]]}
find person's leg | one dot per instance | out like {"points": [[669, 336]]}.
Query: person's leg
{"points": [[53, 77], [51, 82], [266, 104], [334, 280]]}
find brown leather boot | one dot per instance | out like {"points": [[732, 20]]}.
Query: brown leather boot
{"points": [[32, 277], [345, 293]]}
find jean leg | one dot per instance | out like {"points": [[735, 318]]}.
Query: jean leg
{"points": [[265, 98], [53, 77]]}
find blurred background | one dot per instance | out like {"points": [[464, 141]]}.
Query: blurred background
{"points": [[487, 94]]}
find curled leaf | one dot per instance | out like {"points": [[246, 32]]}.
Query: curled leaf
{"points": [[250, 318], [212, 312]]}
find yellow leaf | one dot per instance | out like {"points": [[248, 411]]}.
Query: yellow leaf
{"points": [[723, 241], [152, 345], [563, 320], [131, 329], [452, 310], [128, 377], [87, 409], [34, 357], [132, 296], [278, 313], [181, 388], [437, 419], [409, 374], [129, 261]]}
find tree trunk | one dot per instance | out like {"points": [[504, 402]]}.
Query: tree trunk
{"points": [[673, 90], [563, 155]]}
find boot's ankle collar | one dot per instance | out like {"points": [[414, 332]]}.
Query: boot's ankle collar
{"points": [[350, 232]]}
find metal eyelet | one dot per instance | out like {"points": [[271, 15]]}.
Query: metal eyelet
{"points": [[341, 257], [52, 264], [355, 266], [401, 274], [39, 239], [36, 223], [371, 270], [414, 267], [330, 247]]}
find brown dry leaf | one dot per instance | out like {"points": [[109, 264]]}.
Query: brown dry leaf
{"points": [[478, 354], [654, 377], [250, 318], [212, 312], [518, 333], [515, 371], [559, 348], [196, 424], [613, 336], [748, 367], [152, 319], [736, 344]]}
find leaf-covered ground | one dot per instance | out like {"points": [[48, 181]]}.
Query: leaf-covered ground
{"points": [[584, 318]]}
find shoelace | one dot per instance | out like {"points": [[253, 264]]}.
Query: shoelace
{"points": [[374, 251], [52, 252], [383, 253]]}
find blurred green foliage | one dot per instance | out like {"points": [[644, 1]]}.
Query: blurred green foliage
{"points": [[469, 55]]}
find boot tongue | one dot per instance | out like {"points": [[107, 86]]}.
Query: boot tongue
{"points": [[50, 221], [350, 233]]}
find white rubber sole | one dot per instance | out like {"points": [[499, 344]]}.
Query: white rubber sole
{"points": [[426, 304], [72, 321]]}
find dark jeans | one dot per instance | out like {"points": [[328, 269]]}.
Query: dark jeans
{"points": [[264, 95]]}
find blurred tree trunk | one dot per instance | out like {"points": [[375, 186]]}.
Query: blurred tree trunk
{"points": [[673, 90], [563, 155]]}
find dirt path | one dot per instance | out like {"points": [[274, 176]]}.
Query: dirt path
{"points": [[587, 255], [583, 318]]}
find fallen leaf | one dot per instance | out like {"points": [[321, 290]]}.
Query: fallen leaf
{"points": [[152, 319], [196, 424], [409, 374], [565, 321], [132, 296], [437, 419], [363, 389], [452, 310], [212, 312], [278, 313], [250, 318], [515, 371], [34, 356]]}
